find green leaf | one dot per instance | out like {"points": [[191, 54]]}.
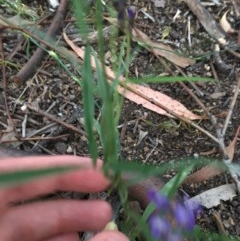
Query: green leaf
{"points": [[169, 79], [199, 235], [108, 129], [19, 177], [88, 103], [81, 9], [140, 171]]}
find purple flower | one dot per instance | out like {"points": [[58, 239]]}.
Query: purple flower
{"points": [[126, 15], [160, 200], [160, 227], [172, 220], [184, 216]]}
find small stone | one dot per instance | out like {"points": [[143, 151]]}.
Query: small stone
{"points": [[234, 203], [196, 155], [145, 149], [61, 147], [238, 209], [69, 149]]}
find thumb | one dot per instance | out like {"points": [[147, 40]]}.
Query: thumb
{"points": [[110, 236]]}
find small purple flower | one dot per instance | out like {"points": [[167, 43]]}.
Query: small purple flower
{"points": [[184, 216], [131, 13], [160, 227], [160, 200], [172, 219], [126, 15]]}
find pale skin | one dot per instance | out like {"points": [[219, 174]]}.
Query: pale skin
{"points": [[57, 220]]}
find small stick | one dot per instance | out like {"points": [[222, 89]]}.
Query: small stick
{"points": [[29, 68], [4, 80], [230, 111], [219, 223], [36, 138], [53, 118]]}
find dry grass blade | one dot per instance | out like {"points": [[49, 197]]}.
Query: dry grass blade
{"points": [[160, 49], [205, 173], [213, 169], [231, 148]]}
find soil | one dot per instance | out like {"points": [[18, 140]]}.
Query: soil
{"points": [[165, 139]]}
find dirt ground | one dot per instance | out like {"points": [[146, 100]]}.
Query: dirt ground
{"points": [[145, 136]]}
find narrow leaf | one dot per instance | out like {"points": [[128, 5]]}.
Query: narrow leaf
{"points": [[88, 102], [18, 177]]}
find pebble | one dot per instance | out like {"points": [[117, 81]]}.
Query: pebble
{"points": [[61, 147]]}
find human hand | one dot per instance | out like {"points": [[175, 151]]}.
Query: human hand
{"points": [[57, 220]]}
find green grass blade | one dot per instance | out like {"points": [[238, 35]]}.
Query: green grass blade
{"points": [[108, 130], [169, 79], [140, 172], [88, 103], [80, 9], [23, 176]]}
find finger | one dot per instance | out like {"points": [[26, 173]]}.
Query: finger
{"points": [[110, 236], [40, 221], [64, 237], [89, 179], [36, 162]]}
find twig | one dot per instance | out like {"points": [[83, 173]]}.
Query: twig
{"points": [[10, 121], [53, 118], [4, 80], [230, 111], [24, 123], [70, 120], [29, 68], [215, 75], [36, 138], [219, 223], [221, 65]]}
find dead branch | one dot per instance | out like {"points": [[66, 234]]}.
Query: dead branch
{"points": [[230, 111], [29, 68], [53, 118]]}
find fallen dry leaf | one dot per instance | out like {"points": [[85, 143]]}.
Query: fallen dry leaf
{"points": [[163, 99], [158, 49], [10, 133], [231, 148], [205, 173], [212, 169], [212, 198], [226, 26], [140, 94], [161, 49]]}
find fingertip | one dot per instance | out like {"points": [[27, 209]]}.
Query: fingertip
{"points": [[110, 236]]}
